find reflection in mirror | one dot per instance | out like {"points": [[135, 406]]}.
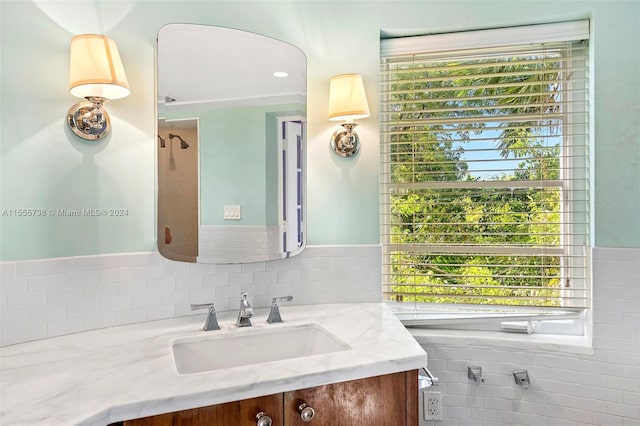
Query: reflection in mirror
{"points": [[231, 145]]}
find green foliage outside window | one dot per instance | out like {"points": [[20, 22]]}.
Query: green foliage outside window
{"points": [[436, 112]]}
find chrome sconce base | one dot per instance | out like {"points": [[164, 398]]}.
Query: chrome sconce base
{"points": [[88, 120], [345, 141]]}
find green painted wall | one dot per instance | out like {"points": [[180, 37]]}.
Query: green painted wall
{"points": [[238, 162], [228, 137], [44, 167]]}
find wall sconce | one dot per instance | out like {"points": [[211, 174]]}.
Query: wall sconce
{"points": [[97, 75], [347, 101]]}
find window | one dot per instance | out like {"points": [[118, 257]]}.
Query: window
{"points": [[484, 170]]}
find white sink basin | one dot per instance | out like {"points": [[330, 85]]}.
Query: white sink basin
{"points": [[219, 350]]}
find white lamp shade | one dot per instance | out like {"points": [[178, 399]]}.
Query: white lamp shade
{"points": [[96, 68], [347, 98]]}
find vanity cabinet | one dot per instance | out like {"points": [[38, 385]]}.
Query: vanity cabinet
{"points": [[387, 400]]}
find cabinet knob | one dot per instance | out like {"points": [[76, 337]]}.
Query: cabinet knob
{"points": [[306, 412], [262, 419]]}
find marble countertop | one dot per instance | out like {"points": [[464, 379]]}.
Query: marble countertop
{"points": [[119, 373]]}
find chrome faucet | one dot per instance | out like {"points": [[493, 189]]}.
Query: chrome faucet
{"points": [[212, 322], [274, 314], [246, 312]]}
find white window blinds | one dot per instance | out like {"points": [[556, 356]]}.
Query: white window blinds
{"points": [[484, 168]]}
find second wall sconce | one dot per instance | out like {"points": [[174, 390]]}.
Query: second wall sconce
{"points": [[96, 74], [348, 102]]}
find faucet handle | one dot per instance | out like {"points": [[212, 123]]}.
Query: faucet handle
{"points": [[196, 306], [212, 321], [275, 300], [274, 314]]}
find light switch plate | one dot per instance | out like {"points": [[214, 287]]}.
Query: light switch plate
{"points": [[231, 212]]}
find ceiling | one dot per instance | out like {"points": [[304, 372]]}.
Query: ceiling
{"points": [[201, 66]]}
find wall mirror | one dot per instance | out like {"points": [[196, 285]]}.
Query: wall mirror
{"points": [[231, 145]]}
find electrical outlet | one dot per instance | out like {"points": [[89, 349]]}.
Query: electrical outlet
{"points": [[432, 405]]}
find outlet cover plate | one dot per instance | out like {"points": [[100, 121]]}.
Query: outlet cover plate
{"points": [[432, 405]]}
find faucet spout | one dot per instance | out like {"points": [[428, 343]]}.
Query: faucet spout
{"points": [[246, 312]]}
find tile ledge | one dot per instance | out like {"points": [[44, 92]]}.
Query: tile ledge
{"points": [[578, 345]]}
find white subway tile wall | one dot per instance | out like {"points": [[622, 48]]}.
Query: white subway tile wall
{"points": [[45, 298], [52, 297], [236, 242], [567, 389]]}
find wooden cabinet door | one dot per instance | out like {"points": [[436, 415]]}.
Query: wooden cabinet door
{"points": [[239, 413], [389, 400]]}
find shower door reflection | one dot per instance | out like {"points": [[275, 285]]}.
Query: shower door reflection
{"points": [[178, 178]]}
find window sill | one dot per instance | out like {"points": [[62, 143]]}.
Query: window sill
{"points": [[578, 345]]}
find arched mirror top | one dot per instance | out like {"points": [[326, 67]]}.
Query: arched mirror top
{"points": [[219, 67]]}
